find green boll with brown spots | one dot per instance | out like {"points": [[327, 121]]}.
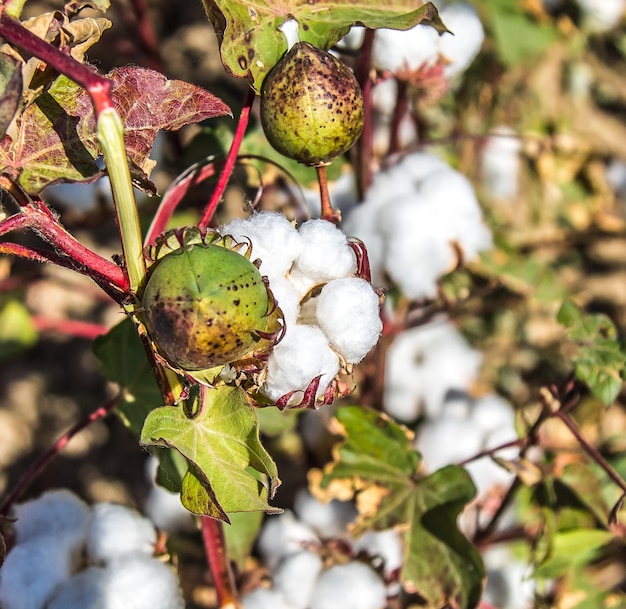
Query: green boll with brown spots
{"points": [[311, 106], [204, 305]]}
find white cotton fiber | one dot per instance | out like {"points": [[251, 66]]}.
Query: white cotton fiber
{"points": [[57, 512], [141, 582], [491, 413], [274, 240], [387, 545], [287, 298], [283, 535], [325, 254], [423, 364], [601, 15], [261, 598], [509, 583], [348, 313], [296, 576], [500, 164], [353, 585], [116, 530], [301, 356], [397, 50], [85, 590], [32, 571], [327, 519], [460, 48]]}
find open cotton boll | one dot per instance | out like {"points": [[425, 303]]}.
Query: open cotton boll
{"points": [[116, 530], [327, 519], [85, 590], [387, 545], [492, 412], [32, 571], [141, 582], [274, 240], [58, 512], [325, 254], [423, 364], [262, 598], [287, 298], [302, 355], [445, 441], [283, 535], [500, 164], [348, 312], [396, 50], [601, 15], [296, 576], [353, 585], [462, 46]]}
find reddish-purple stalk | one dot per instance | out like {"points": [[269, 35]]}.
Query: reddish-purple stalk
{"points": [[98, 87], [147, 38], [69, 327], [219, 564], [38, 466], [399, 112], [231, 159], [38, 217], [328, 213]]}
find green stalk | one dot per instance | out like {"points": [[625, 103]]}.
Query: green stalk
{"points": [[111, 136]]}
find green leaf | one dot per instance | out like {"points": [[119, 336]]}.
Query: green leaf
{"points": [[241, 535], [222, 444], [440, 563], [571, 549], [252, 44], [17, 330], [601, 359], [10, 89], [56, 138], [123, 361]]}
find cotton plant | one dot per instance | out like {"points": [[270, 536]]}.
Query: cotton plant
{"points": [[415, 220], [601, 15], [69, 555], [331, 314], [500, 164]]}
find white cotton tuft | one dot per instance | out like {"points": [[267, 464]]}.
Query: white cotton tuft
{"points": [[287, 298], [57, 512], [353, 585], [85, 590], [302, 355], [32, 571], [274, 241], [283, 535], [601, 15], [460, 48], [296, 576], [491, 413], [327, 519], [348, 313], [116, 530], [509, 582], [141, 582], [397, 50], [500, 164], [387, 545], [325, 255], [261, 598], [423, 364]]}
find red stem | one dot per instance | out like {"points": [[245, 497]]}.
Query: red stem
{"points": [[147, 38], [231, 159], [38, 217], [399, 112], [69, 327], [215, 548], [98, 87], [39, 465]]}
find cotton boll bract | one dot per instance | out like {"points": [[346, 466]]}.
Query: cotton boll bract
{"points": [[116, 530], [32, 571], [302, 355], [296, 576], [348, 313], [353, 585]]}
